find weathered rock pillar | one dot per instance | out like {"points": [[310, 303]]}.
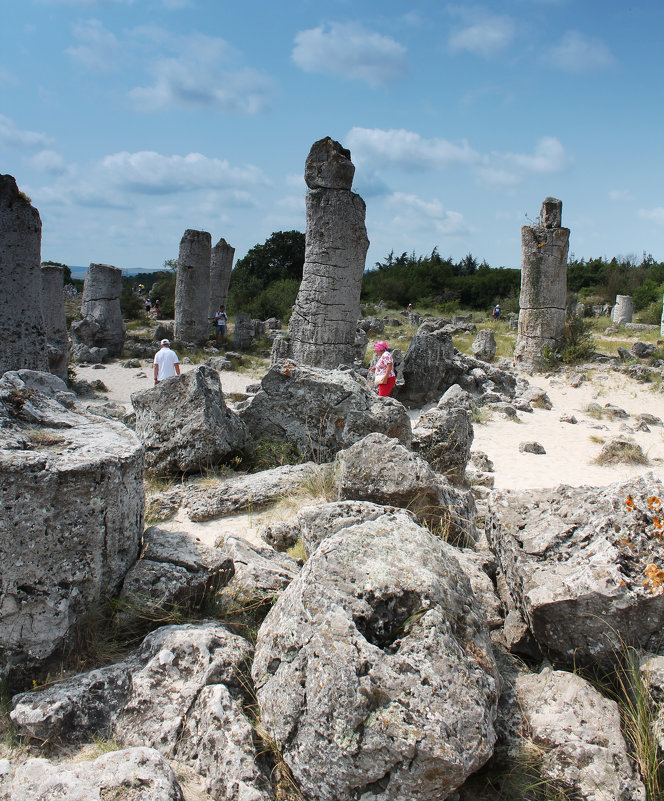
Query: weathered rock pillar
{"points": [[22, 331], [101, 303], [324, 319], [543, 286], [192, 287], [55, 319], [661, 325], [221, 264], [623, 310]]}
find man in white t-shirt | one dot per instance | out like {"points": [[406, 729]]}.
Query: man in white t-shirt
{"points": [[166, 362]]}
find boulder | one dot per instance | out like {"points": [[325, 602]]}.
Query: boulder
{"points": [[100, 309], [72, 498], [532, 447], [243, 331], [484, 346], [368, 637], [185, 424], [581, 564], [444, 437], [321, 411], [641, 350], [259, 574]]}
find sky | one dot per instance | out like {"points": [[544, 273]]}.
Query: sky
{"points": [[129, 121]]}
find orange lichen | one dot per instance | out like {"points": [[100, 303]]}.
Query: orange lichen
{"points": [[654, 502], [629, 503], [654, 579]]}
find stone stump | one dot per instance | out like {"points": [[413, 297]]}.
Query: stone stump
{"points": [[221, 264], [484, 346], [243, 331], [324, 319], [192, 287], [21, 324], [100, 303], [623, 310], [72, 498], [55, 319], [544, 250]]}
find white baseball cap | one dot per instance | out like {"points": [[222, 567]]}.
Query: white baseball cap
{"points": [[165, 342]]}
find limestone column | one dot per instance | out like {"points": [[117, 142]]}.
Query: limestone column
{"points": [[22, 334], [221, 264], [192, 287], [55, 319], [661, 325], [101, 303], [544, 250], [324, 319], [623, 310]]}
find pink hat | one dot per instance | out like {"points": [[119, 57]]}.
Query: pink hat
{"points": [[380, 346]]}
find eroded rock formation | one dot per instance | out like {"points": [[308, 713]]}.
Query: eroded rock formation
{"points": [[101, 326], [55, 319], [221, 264], [192, 287]]}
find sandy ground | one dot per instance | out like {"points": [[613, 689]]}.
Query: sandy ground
{"points": [[570, 451]]}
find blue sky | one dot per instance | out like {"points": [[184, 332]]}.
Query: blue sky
{"points": [[128, 121]]}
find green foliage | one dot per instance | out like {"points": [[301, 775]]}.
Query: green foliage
{"points": [[132, 305], [264, 283], [579, 342], [599, 280], [163, 290], [266, 453]]}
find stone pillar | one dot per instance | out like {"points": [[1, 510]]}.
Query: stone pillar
{"points": [[192, 287], [55, 319], [544, 250], [661, 325], [623, 310], [101, 304], [324, 319], [221, 264], [243, 331], [22, 334]]}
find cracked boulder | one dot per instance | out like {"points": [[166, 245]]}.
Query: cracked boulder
{"points": [[381, 637], [444, 437], [584, 566], [321, 411]]}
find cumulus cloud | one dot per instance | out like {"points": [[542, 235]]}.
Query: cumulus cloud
{"points": [[399, 147], [486, 36], [11, 136], [351, 51], [201, 73], [549, 156], [654, 215], [49, 161], [417, 214], [98, 49], [578, 53], [151, 173]]}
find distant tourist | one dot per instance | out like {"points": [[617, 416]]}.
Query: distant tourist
{"points": [[385, 377], [410, 307], [220, 321], [166, 362], [156, 308], [496, 311], [148, 305]]}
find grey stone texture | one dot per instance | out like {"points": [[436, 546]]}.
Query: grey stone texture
{"points": [[100, 303], [192, 287], [22, 329], [243, 331], [542, 301], [324, 319], [443, 437], [185, 424], [221, 264], [661, 325], [484, 346], [623, 309], [72, 498], [55, 319], [369, 638]]}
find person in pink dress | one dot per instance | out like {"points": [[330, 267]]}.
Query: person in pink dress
{"points": [[384, 367]]}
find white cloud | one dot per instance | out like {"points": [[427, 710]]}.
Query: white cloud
{"points": [[578, 53], [98, 50], [485, 37], [49, 161], [11, 136], [618, 195], [497, 177], [399, 147], [654, 215], [351, 51], [201, 73], [147, 172], [549, 156], [417, 214]]}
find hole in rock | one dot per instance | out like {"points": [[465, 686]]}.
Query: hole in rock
{"points": [[385, 623]]}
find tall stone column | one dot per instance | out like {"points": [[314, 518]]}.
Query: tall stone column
{"points": [[623, 310], [55, 319], [661, 324], [22, 334], [101, 304], [192, 287], [544, 250], [221, 264], [322, 325]]}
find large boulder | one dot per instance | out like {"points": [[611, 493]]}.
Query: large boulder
{"points": [[381, 470], [444, 437], [185, 424], [321, 411], [72, 498], [582, 565], [380, 636], [484, 345]]}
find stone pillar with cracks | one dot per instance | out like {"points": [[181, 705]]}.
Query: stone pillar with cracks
{"points": [[221, 264], [192, 287]]}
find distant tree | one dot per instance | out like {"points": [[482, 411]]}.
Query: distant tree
{"points": [[66, 271]]}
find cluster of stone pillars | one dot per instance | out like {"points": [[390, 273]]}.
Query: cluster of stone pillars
{"points": [[201, 286]]}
